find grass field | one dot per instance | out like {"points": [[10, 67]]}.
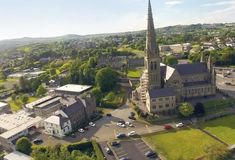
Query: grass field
{"points": [[223, 128], [17, 104], [134, 73], [9, 83], [138, 53], [215, 106], [185, 144]]}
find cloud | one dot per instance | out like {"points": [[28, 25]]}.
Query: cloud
{"points": [[173, 3], [218, 3]]}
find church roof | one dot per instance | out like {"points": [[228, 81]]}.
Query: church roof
{"points": [[162, 92], [192, 68]]}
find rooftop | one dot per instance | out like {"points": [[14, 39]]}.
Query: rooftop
{"points": [[2, 104], [20, 128], [10, 121], [74, 88], [48, 102], [17, 156], [162, 92], [191, 68], [56, 119], [32, 104]]}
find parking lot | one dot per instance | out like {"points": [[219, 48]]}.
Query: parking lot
{"points": [[133, 149]]}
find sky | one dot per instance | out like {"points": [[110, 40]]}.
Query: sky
{"points": [[47, 18]]}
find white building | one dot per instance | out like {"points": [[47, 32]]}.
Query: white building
{"points": [[17, 156], [57, 125], [14, 126], [4, 108], [72, 90]]}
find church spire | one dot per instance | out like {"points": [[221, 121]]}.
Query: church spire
{"points": [[151, 45], [202, 58], [152, 59], [209, 64]]}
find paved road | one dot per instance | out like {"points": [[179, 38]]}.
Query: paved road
{"points": [[226, 88]]}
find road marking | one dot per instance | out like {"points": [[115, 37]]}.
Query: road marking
{"points": [[147, 127]]}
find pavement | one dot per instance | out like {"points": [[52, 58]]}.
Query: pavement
{"points": [[133, 149]]}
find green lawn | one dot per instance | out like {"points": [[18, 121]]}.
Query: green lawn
{"points": [[138, 53], [185, 144], [215, 106], [134, 73], [9, 83], [223, 128], [17, 104]]}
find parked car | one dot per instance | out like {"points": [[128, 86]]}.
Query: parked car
{"points": [[131, 133], [151, 154], [121, 121], [92, 124], [81, 130], [121, 135], [73, 135], [132, 118], [108, 150], [37, 141], [124, 158], [109, 114], [167, 127], [121, 125], [179, 125], [115, 143]]}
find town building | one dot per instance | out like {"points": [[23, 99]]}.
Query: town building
{"points": [[17, 156], [16, 125], [72, 90], [162, 87], [4, 108], [57, 125]]}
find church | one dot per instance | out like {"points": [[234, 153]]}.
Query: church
{"points": [[163, 87]]}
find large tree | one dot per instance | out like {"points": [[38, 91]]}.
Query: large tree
{"points": [[41, 91], [199, 109], [186, 109], [106, 79], [24, 145], [171, 60]]}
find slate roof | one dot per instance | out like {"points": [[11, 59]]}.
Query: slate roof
{"points": [[162, 92], [194, 68], [199, 83], [72, 106]]}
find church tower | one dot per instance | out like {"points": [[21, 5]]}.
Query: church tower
{"points": [[152, 55]]}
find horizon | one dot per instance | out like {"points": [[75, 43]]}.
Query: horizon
{"points": [[56, 18]]}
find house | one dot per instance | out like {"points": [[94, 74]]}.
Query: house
{"points": [[17, 156], [57, 125], [74, 113]]}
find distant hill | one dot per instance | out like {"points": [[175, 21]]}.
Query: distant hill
{"points": [[178, 29], [14, 43]]}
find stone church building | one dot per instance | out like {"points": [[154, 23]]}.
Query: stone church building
{"points": [[162, 87]]}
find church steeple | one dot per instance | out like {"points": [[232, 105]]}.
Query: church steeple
{"points": [[209, 64], [152, 59], [151, 45]]}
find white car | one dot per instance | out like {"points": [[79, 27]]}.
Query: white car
{"points": [[81, 130], [92, 124], [121, 125], [131, 133], [179, 125], [129, 124]]}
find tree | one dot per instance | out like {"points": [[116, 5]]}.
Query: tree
{"points": [[217, 152], [41, 91], [13, 96], [171, 60], [199, 109], [98, 95], [106, 79], [186, 109], [24, 145], [24, 98]]}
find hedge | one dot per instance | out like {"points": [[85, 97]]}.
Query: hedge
{"points": [[98, 152]]}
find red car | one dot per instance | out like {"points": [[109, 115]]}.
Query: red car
{"points": [[167, 127]]}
